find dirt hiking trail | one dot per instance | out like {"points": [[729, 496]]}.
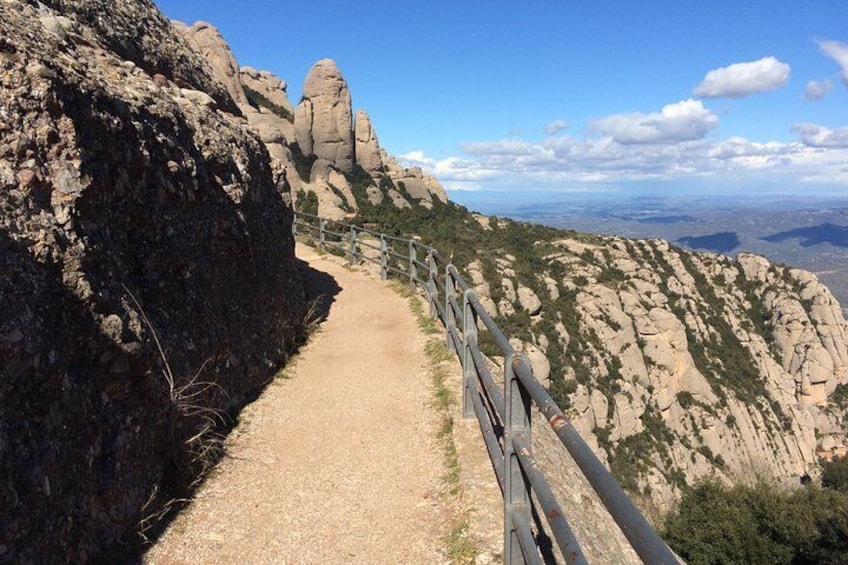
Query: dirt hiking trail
{"points": [[337, 461]]}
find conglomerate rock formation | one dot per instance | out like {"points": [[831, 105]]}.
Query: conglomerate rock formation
{"points": [[323, 121], [676, 365], [322, 128], [148, 277]]}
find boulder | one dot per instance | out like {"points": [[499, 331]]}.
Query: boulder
{"points": [[529, 301]]}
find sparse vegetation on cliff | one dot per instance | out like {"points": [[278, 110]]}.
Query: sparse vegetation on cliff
{"points": [[760, 524], [258, 100]]}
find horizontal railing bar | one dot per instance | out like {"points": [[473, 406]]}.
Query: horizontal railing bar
{"points": [[463, 286], [437, 256], [440, 311], [645, 541], [553, 512], [421, 265], [368, 245], [306, 224], [393, 238], [489, 385], [404, 256], [369, 259], [398, 271], [495, 331]]}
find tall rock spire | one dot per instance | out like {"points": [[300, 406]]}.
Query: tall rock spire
{"points": [[323, 120], [367, 152]]}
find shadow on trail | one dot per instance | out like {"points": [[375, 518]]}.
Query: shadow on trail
{"points": [[321, 291]]}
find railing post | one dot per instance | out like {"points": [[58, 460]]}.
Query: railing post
{"points": [[352, 245], [516, 483], [384, 258], [321, 225], [450, 318], [432, 287], [413, 269], [469, 341]]}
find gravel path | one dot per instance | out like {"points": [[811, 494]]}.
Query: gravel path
{"points": [[338, 462]]}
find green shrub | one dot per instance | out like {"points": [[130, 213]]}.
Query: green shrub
{"points": [[307, 202], [759, 524], [685, 399], [835, 474], [258, 100]]}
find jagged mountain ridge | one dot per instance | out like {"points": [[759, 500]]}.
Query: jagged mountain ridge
{"points": [[321, 142]]}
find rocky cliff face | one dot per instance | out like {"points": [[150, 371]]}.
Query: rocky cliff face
{"points": [[676, 365], [148, 277], [324, 130], [207, 40]]}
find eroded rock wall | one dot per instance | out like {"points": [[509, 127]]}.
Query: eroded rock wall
{"points": [[146, 256], [677, 365]]}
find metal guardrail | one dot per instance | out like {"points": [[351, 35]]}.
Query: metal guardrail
{"points": [[503, 416]]}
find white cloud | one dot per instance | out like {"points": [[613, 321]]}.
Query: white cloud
{"points": [[683, 121], [602, 162], [743, 79], [555, 127], [837, 51], [817, 90], [815, 135]]}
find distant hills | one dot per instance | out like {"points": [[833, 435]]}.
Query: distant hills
{"points": [[810, 234]]}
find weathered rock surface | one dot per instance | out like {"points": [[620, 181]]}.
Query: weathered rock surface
{"points": [[419, 186], [323, 120], [367, 149], [269, 85], [675, 365], [321, 125], [270, 113], [134, 212], [205, 38], [137, 33]]}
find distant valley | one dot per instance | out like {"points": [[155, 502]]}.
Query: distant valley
{"points": [[808, 233]]}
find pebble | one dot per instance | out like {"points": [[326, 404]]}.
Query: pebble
{"points": [[26, 177]]}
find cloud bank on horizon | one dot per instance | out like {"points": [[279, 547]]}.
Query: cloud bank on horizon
{"points": [[677, 143]]}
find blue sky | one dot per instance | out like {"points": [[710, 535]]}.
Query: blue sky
{"points": [[576, 97]]}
